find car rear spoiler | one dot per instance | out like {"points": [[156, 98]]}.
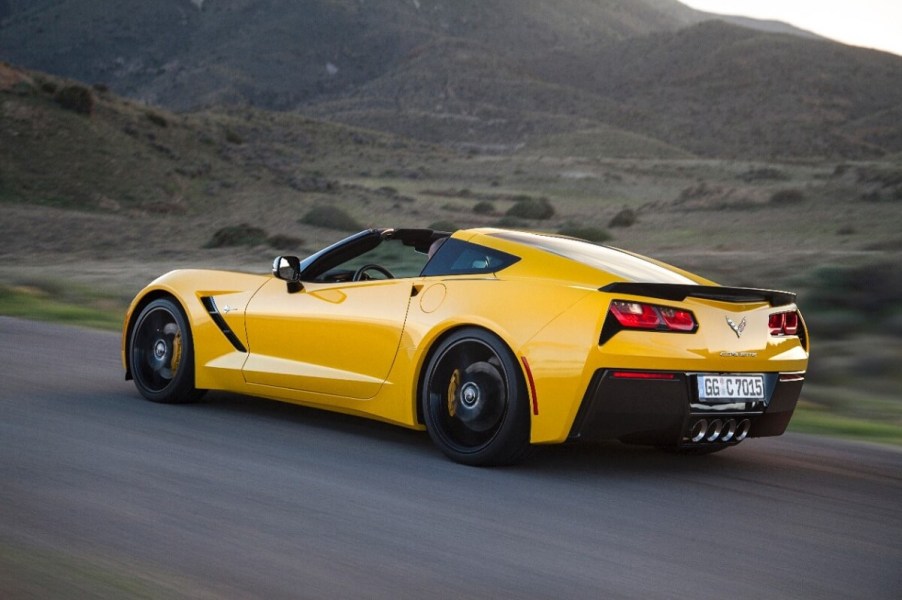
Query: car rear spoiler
{"points": [[679, 292]]}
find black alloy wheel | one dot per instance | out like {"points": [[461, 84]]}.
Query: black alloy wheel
{"points": [[161, 354], [474, 400]]}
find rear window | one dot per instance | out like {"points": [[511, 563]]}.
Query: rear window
{"points": [[456, 257], [616, 262]]}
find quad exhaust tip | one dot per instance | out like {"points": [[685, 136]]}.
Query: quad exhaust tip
{"points": [[719, 431]]}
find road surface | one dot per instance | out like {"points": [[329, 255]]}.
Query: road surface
{"points": [[106, 495]]}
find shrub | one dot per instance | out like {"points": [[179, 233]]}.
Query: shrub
{"points": [[444, 226], [76, 98], [791, 196], [484, 208], [156, 118], [237, 235], [590, 234], [330, 217], [233, 138], [624, 218], [284, 241], [531, 208], [511, 222]]}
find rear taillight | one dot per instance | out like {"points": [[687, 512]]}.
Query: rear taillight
{"points": [[784, 323], [638, 315]]}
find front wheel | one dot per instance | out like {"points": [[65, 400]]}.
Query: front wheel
{"points": [[161, 354], [474, 400]]}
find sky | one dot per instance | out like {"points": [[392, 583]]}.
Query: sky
{"points": [[868, 23]]}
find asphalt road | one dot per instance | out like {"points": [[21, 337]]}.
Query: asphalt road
{"points": [[103, 494]]}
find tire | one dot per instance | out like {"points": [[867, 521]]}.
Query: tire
{"points": [[161, 354], [474, 400]]}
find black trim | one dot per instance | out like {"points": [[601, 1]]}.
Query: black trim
{"points": [[679, 292], [662, 411], [210, 305]]}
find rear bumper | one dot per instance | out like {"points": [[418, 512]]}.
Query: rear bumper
{"points": [[640, 407]]}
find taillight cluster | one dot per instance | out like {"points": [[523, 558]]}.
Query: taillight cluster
{"points": [[784, 323], [638, 315]]}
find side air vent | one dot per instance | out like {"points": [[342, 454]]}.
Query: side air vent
{"points": [[210, 305]]}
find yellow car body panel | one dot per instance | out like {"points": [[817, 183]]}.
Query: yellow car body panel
{"points": [[361, 347]]}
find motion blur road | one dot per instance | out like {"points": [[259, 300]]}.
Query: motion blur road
{"points": [[103, 494]]}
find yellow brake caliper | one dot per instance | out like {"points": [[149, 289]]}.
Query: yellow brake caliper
{"points": [[452, 392], [176, 352]]}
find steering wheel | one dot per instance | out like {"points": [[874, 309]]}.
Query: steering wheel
{"points": [[360, 274]]}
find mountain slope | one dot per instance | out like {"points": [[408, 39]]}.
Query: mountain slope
{"points": [[278, 53], [490, 74], [719, 89]]}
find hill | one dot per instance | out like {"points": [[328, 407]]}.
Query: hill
{"points": [[187, 54], [650, 77]]}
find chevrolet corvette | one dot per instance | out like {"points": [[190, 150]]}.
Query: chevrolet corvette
{"points": [[491, 340]]}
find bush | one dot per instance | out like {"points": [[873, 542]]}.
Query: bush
{"points": [[156, 118], [76, 98], [791, 196], [624, 218], [237, 235], [285, 241], [444, 226], [233, 138], [511, 222], [590, 234], [484, 208], [330, 217], [531, 208]]}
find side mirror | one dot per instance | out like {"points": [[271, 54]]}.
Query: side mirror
{"points": [[288, 268]]}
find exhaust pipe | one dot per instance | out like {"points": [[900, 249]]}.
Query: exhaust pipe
{"points": [[698, 431], [714, 430], [729, 430], [742, 430]]}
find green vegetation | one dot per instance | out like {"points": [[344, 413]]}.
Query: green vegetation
{"points": [[76, 98], [818, 422], [625, 218], [156, 118], [591, 234], [75, 307], [444, 225], [484, 207], [330, 217], [790, 196], [531, 208], [237, 235]]}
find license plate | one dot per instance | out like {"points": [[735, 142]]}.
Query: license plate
{"points": [[731, 387]]}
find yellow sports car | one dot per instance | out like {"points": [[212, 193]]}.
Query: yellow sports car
{"points": [[492, 340]]}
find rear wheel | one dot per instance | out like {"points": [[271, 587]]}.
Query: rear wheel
{"points": [[161, 354], [474, 400]]}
